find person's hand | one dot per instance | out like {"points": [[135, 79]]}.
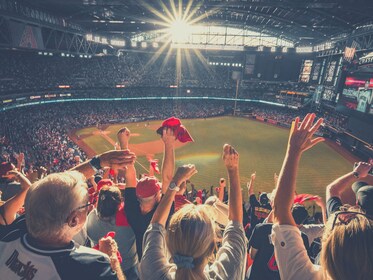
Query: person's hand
{"points": [[108, 246], [253, 176], [363, 169], [230, 157], [168, 136], [184, 173], [14, 174], [117, 159], [300, 138], [123, 136], [20, 158]]}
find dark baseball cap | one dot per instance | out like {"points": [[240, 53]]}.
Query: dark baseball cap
{"points": [[364, 196]]}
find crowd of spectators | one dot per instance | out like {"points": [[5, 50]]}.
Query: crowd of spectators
{"points": [[149, 229], [29, 72], [42, 131]]}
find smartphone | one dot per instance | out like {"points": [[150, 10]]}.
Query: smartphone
{"points": [[370, 171]]}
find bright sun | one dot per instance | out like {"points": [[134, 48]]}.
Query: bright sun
{"points": [[180, 31]]}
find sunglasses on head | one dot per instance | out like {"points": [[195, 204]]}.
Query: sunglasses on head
{"points": [[345, 217]]}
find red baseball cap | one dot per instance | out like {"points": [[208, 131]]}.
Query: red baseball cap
{"points": [[104, 182], [147, 187], [181, 133]]}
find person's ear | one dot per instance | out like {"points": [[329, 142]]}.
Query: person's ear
{"points": [[73, 220]]}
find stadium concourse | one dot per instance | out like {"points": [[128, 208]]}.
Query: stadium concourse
{"points": [[70, 70]]}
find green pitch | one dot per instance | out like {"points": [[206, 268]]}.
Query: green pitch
{"points": [[261, 148]]}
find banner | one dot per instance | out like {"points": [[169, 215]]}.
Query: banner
{"points": [[26, 36]]}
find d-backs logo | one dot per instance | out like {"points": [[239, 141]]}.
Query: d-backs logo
{"points": [[25, 271], [272, 264]]}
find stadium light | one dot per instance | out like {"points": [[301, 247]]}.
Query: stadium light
{"points": [[273, 49], [155, 45], [133, 44], [284, 49], [118, 43], [144, 45], [303, 49]]}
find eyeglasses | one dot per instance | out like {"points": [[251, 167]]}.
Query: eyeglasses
{"points": [[88, 204], [345, 217]]}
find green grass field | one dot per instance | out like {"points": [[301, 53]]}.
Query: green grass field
{"points": [[261, 147]]}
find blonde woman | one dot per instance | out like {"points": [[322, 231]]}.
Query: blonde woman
{"points": [[347, 244], [186, 249]]}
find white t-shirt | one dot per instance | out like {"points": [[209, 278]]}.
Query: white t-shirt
{"points": [[291, 256]]}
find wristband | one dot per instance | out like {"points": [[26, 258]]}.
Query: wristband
{"points": [[356, 175], [95, 163]]}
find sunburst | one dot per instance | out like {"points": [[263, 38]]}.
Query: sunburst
{"points": [[176, 21]]}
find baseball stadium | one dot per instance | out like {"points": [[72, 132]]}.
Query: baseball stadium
{"points": [[186, 139]]}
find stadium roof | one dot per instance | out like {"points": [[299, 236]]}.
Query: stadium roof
{"points": [[302, 21]]}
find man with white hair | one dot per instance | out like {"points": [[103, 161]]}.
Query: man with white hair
{"points": [[56, 209]]}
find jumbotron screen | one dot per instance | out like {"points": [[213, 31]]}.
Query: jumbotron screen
{"points": [[357, 94]]}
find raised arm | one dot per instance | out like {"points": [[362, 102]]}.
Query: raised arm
{"points": [[231, 161], [300, 140], [250, 184], [168, 164], [12, 205], [113, 159], [338, 186], [20, 161], [130, 175], [222, 185], [123, 137], [109, 246], [182, 174]]}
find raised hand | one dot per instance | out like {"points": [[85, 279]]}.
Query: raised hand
{"points": [[117, 159], [300, 138], [230, 157], [184, 173], [253, 176], [168, 136], [108, 246], [25, 183], [123, 136], [363, 169]]}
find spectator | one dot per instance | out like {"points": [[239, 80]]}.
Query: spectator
{"points": [[191, 237], [47, 249], [259, 210], [335, 190], [347, 247], [261, 249], [10, 207], [142, 198], [110, 216]]}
